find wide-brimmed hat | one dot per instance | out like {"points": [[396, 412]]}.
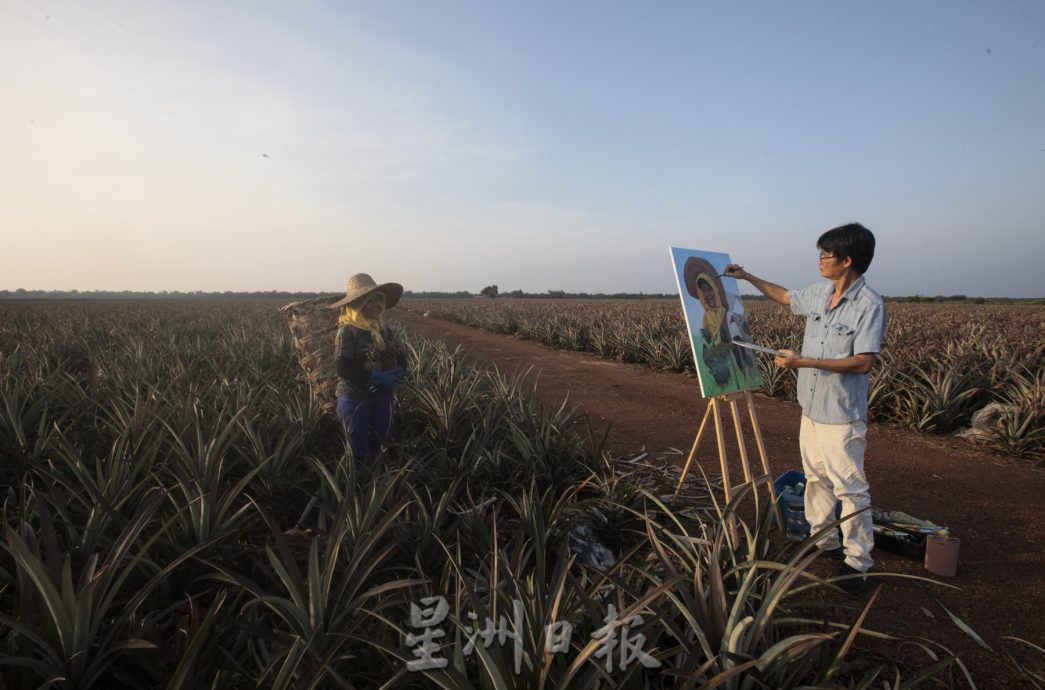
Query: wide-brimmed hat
{"points": [[361, 285], [697, 267]]}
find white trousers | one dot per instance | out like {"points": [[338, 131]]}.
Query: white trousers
{"points": [[833, 462]]}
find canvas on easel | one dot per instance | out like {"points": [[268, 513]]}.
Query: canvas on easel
{"points": [[714, 316]]}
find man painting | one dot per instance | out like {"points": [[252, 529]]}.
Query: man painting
{"points": [[845, 324]]}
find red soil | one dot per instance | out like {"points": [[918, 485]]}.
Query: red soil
{"points": [[992, 503]]}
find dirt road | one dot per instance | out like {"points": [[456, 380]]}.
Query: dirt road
{"points": [[992, 503]]}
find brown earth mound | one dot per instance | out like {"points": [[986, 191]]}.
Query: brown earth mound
{"points": [[992, 503]]}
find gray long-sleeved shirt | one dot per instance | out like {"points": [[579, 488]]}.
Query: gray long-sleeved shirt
{"points": [[351, 347]]}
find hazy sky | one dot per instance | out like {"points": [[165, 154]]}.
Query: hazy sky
{"points": [[448, 145]]}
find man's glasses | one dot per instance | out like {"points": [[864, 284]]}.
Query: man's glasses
{"points": [[825, 256]]}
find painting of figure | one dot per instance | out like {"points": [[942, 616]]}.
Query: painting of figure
{"points": [[714, 317]]}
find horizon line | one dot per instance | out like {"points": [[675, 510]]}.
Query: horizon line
{"points": [[28, 294]]}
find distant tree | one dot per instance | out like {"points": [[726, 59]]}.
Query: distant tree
{"points": [[489, 291]]}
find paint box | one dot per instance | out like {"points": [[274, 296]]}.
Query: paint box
{"points": [[898, 541]]}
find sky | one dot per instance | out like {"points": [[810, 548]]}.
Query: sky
{"points": [[540, 145]]}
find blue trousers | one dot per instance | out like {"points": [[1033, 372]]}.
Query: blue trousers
{"points": [[367, 423]]}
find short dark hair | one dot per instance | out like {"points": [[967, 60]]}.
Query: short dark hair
{"points": [[852, 241]]}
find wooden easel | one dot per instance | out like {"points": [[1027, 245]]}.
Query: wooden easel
{"points": [[713, 410]]}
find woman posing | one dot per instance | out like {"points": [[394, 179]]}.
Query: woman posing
{"points": [[368, 365]]}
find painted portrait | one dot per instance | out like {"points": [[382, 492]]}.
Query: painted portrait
{"points": [[714, 316]]}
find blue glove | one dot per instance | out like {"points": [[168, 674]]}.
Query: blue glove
{"points": [[400, 374], [382, 379]]}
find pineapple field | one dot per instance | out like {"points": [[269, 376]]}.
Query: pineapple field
{"points": [[180, 511], [940, 363]]}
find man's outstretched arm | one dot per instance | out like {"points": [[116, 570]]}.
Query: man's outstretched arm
{"points": [[771, 290], [854, 364]]}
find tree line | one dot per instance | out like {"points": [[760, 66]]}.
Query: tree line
{"points": [[490, 292]]}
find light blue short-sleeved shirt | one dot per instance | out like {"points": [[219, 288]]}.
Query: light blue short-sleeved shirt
{"points": [[855, 326]]}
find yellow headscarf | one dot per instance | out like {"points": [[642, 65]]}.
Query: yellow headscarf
{"points": [[355, 318], [713, 316]]}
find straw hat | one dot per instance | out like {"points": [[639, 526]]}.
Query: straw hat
{"points": [[696, 267], [361, 285]]}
